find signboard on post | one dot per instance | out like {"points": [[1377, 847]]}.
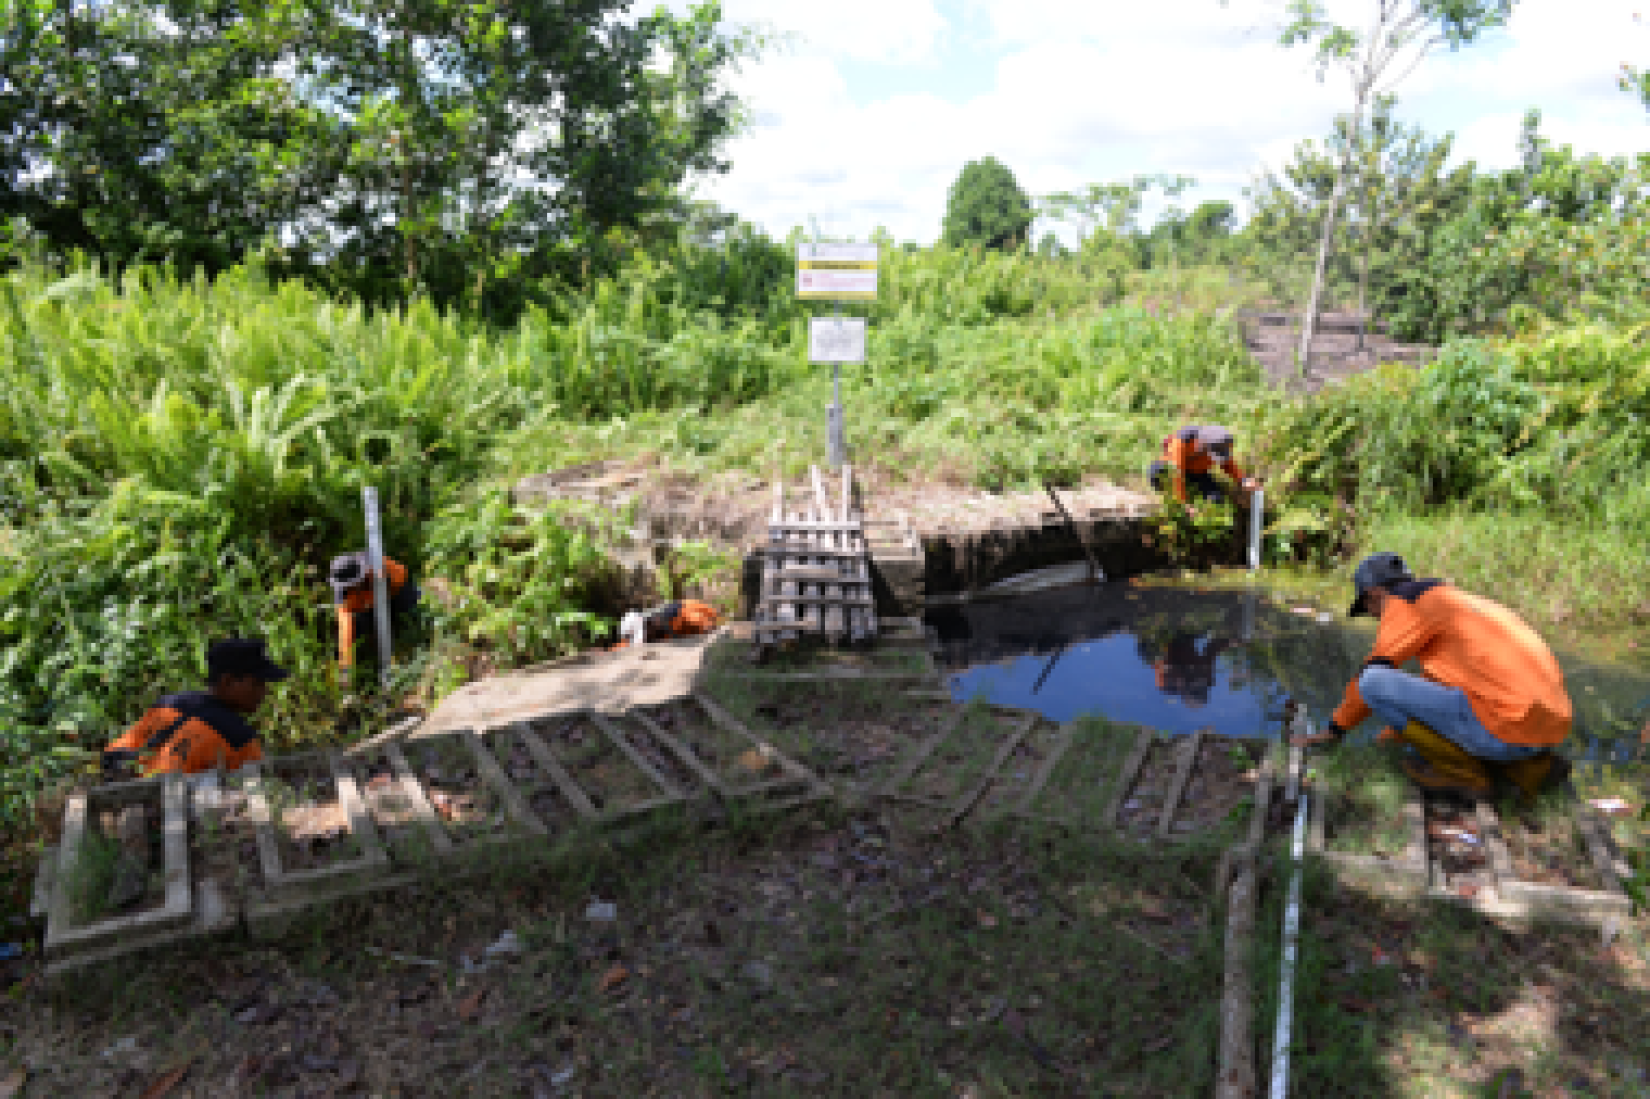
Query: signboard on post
{"points": [[836, 272], [836, 339]]}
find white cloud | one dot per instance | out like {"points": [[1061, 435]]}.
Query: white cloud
{"points": [[1079, 91], [894, 31]]}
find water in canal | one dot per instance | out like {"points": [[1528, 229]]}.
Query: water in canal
{"points": [[1179, 657]]}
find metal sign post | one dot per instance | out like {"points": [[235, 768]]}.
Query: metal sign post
{"points": [[380, 593], [836, 272]]}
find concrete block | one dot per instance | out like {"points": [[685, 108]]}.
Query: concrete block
{"points": [[167, 798], [1537, 900], [1406, 875], [279, 880]]}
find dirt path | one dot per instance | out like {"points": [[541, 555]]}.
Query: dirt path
{"points": [[1272, 338]]}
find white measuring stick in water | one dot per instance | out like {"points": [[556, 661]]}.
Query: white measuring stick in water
{"points": [[1257, 509], [380, 594], [1286, 983]]}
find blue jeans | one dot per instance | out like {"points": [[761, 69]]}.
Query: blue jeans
{"points": [[1399, 698]]}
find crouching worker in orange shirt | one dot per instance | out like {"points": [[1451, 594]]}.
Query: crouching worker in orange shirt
{"points": [[683, 619], [1190, 455], [1489, 702], [195, 731], [352, 596]]}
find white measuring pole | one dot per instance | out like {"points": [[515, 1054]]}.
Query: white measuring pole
{"points": [[1286, 983], [1257, 508], [380, 589]]}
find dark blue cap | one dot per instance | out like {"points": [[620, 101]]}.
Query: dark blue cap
{"points": [[1374, 571]]}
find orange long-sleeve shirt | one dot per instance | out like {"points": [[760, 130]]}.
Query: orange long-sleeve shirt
{"points": [[1479, 647], [395, 575], [1180, 450], [188, 732]]}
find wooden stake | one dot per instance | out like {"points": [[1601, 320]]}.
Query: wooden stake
{"points": [[1237, 1008]]}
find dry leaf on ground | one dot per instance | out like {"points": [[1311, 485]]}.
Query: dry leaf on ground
{"points": [[470, 1006], [166, 1083], [613, 978]]}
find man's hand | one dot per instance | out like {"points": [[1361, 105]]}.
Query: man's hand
{"points": [[1250, 484]]}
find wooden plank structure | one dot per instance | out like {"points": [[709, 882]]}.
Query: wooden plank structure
{"points": [[816, 571]]}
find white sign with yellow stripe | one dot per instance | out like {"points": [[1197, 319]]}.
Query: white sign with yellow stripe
{"points": [[836, 272]]}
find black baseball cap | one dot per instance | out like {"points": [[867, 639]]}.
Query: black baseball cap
{"points": [[1374, 571], [243, 656], [347, 570]]}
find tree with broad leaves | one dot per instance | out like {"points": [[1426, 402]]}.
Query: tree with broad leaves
{"points": [[394, 147], [1397, 180], [1398, 37], [987, 207]]}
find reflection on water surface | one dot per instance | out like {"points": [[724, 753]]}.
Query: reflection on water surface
{"points": [[1181, 658]]}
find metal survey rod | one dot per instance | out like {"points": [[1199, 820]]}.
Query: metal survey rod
{"points": [[380, 594], [1257, 508], [838, 444], [1286, 981]]}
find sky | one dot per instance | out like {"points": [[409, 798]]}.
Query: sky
{"points": [[866, 113]]}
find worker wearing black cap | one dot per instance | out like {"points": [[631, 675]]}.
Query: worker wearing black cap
{"points": [[1489, 702], [352, 596], [195, 731]]}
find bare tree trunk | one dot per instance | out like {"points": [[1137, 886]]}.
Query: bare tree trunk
{"points": [[1309, 322], [1363, 297]]}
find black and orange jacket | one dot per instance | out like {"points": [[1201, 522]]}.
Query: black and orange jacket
{"points": [[189, 732], [1180, 450], [1479, 647], [395, 575], [684, 619]]}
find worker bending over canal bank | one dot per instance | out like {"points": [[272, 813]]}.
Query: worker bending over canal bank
{"points": [[352, 596], [195, 731], [1489, 702], [1190, 456], [686, 618]]}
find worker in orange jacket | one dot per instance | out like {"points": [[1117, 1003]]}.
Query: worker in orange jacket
{"points": [[352, 597], [1490, 699], [681, 619], [195, 731], [1190, 454]]}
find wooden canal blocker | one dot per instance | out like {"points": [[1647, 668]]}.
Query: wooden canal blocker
{"points": [[816, 570]]}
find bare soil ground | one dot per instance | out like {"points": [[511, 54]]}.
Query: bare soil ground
{"points": [[1273, 339], [1222, 785], [311, 828]]}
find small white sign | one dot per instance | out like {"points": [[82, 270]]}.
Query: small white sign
{"points": [[861, 254], [836, 283], [836, 339]]}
